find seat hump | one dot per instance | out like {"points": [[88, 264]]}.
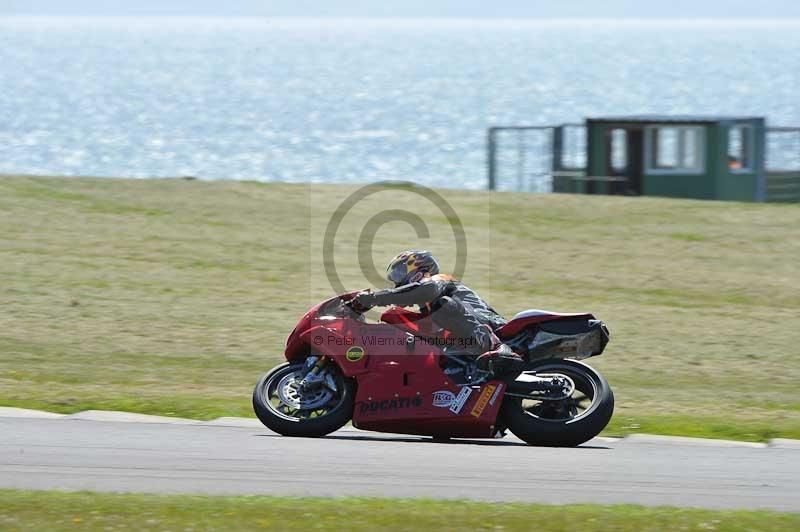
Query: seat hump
{"points": [[532, 316], [534, 312]]}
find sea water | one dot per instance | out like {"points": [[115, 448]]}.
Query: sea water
{"points": [[356, 100]]}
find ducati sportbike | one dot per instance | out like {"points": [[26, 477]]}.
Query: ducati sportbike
{"points": [[406, 375]]}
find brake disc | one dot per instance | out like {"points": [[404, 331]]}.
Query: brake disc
{"points": [[290, 393]]}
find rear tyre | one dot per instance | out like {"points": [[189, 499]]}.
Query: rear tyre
{"points": [[284, 407], [568, 422]]}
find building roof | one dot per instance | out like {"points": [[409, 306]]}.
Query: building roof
{"points": [[674, 119]]}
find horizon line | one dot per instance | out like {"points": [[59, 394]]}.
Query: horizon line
{"points": [[623, 18]]}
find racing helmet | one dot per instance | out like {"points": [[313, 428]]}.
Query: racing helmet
{"points": [[411, 266]]}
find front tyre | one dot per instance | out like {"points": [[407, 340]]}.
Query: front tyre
{"points": [[283, 406], [567, 422]]}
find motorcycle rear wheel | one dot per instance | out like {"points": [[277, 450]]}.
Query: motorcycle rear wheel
{"points": [[568, 422], [308, 414]]}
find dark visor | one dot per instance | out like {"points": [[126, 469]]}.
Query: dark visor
{"points": [[397, 273]]}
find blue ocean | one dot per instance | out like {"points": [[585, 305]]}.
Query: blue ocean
{"points": [[356, 100]]}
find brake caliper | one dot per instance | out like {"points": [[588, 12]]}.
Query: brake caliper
{"points": [[314, 376]]}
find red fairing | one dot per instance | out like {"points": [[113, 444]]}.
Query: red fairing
{"points": [[296, 347], [298, 344], [413, 322], [401, 383]]}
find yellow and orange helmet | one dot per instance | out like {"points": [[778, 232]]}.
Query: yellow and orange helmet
{"points": [[411, 266]]}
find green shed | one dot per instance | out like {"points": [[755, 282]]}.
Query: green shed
{"points": [[704, 157]]}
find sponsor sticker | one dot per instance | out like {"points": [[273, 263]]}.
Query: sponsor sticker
{"points": [[460, 400], [443, 399], [483, 400], [495, 394], [354, 354]]}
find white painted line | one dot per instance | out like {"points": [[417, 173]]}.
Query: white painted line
{"points": [[604, 439], [7, 411], [351, 428], [245, 422], [128, 417], [784, 443], [682, 440]]}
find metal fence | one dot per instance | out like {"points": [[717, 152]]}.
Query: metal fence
{"points": [[783, 148], [532, 158], [527, 158], [783, 164]]}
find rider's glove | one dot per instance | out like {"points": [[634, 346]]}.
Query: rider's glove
{"points": [[360, 303]]}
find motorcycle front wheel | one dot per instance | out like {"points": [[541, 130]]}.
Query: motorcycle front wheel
{"points": [[282, 405], [567, 422]]}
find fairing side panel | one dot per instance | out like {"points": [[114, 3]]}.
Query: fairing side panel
{"points": [[409, 393]]}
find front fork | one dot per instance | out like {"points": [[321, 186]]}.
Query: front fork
{"points": [[315, 374]]}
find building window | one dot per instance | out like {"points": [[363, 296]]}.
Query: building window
{"points": [[675, 149], [740, 148], [619, 150]]}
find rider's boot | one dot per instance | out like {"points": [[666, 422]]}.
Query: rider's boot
{"points": [[498, 360]]}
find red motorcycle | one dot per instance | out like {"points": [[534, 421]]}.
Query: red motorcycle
{"points": [[406, 375]]}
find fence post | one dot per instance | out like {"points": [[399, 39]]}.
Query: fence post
{"points": [[491, 157], [557, 148]]}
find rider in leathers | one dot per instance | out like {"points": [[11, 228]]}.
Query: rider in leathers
{"points": [[450, 304]]}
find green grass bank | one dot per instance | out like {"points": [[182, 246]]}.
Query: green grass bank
{"points": [[28, 510], [172, 296]]}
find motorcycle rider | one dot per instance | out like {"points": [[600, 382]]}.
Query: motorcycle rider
{"points": [[450, 304]]}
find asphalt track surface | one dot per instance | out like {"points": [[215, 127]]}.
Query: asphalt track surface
{"points": [[212, 458]]}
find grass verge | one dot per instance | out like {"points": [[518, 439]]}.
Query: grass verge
{"points": [[171, 297], [29, 510]]}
